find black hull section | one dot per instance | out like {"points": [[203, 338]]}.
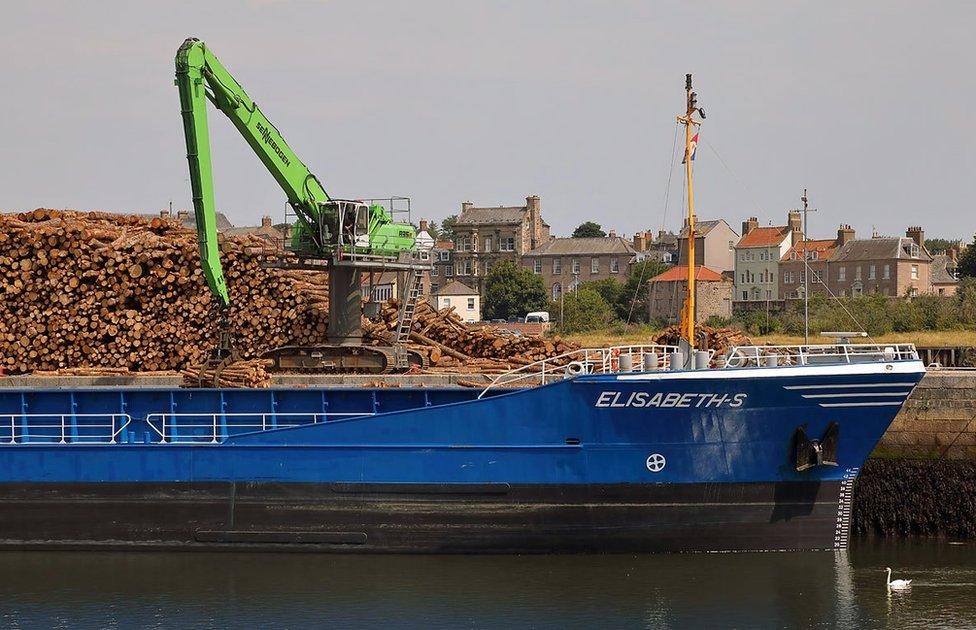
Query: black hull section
{"points": [[482, 518]]}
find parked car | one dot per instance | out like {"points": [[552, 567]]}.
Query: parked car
{"points": [[537, 317]]}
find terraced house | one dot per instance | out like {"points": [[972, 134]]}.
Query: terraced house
{"points": [[896, 266], [810, 256], [564, 262], [757, 257]]}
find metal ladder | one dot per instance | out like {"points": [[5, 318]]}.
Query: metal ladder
{"points": [[409, 306]]}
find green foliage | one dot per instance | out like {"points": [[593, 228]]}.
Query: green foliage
{"points": [[583, 310], [433, 230], [939, 244], [632, 306], [588, 229], [512, 291], [446, 231], [875, 314], [610, 289], [967, 262]]}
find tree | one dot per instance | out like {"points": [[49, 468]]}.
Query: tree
{"points": [[433, 230], [583, 310], [446, 232], [609, 289], [631, 306], [939, 244], [588, 229], [512, 291], [967, 262]]}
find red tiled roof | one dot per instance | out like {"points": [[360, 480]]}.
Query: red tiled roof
{"points": [[764, 236], [824, 248], [680, 272]]}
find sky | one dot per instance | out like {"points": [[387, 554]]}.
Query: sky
{"points": [[866, 104]]}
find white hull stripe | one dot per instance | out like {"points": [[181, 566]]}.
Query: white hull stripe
{"points": [[848, 385], [790, 371], [863, 404], [856, 395]]}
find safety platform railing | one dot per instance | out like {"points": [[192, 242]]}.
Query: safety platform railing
{"points": [[636, 358], [818, 354], [53, 428], [214, 428]]}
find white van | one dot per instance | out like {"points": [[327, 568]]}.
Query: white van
{"points": [[537, 317]]}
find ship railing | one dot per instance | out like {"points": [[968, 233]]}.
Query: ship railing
{"points": [[818, 354], [586, 361], [214, 428], [70, 428]]}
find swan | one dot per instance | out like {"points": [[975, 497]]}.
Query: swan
{"points": [[896, 584]]}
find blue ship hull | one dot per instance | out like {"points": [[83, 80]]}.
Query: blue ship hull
{"points": [[661, 461]]}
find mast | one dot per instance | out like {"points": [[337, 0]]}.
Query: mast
{"points": [[688, 312]]}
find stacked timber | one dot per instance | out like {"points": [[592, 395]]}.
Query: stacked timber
{"points": [[706, 338], [241, 373], [100, 290], [450, 343]]}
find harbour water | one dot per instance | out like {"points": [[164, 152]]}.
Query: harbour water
{"points": [[220, 590]]}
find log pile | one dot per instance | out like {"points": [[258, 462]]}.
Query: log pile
{"points": [[706, 338], [241, 373], [93, 291], [101, 290], [450, 343]]}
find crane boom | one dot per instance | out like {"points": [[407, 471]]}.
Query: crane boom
{"points": [[201, 77]]}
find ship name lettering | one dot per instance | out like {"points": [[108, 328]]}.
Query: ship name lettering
{"points": [[669, 400]]}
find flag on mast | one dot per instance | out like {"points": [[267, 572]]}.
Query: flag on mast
{"points": [[691, 149]]}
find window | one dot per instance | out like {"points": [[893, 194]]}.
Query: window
{"points": [[913, 250], [464, 243], [557, 290], [857, 272], [433, 270], [769, 294], [447, 302], [434, 286], [449, 271], [506, 244], [444, 255], [557, 266], [886, 272], [594, 265], [537, 265], [470, 304], [872, 273], [913, 292], [487, 243], [915, 271], [803, 277], [464, 267], [842, 273], [576, 265], [614, 265], [731, 245], [745, 295], [815, 276], [787, 277]]}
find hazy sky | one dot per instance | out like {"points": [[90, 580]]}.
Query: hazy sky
{"points": [[867, 104]]}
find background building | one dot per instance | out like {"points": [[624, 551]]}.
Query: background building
{"points": [[666, 294], [812, 255], [486, 236], [894, 266], [465, 300], [714, 245], [757, 257], [562, 262]]}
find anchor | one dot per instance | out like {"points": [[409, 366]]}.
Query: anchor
{"points": [[808, 453]]}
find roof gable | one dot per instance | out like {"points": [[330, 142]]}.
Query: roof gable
{"points": [[823, 249], [765, 236], [456, 288], [501, 214], [886, 248]]}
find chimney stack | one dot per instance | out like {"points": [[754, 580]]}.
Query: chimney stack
{"points": [[423, 225], [795, 222], [265, 221], [182, 214], [639, 243], [845, 234], [612, 234], [916, 233], [466, 205], [749, 225], [164, 214]]}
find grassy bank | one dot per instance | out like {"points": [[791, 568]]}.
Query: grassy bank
{"points": [[644, 334]]}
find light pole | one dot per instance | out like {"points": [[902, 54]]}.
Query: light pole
{"points": [[806, 270]]}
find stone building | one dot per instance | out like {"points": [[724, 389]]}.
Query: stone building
{"points": [[813, 256], [666, 294], [465, 300], [442, 268], [757, 257], [564, 262], [895, 266], [486, 236], [714, 245], [945, 275], [662, 248]]}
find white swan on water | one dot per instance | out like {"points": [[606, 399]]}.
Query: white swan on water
{"points": [[896, 584]]}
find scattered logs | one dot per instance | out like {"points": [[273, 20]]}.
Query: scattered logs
{"points": [[240, 373], [706, 338]]}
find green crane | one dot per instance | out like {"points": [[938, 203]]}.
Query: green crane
{"points": [[348, 236]]}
